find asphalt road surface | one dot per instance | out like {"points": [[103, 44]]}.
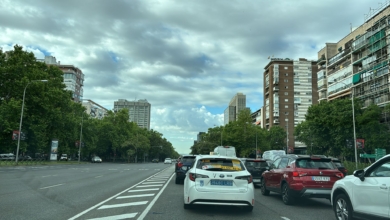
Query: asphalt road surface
{"points": [[126, 191]]}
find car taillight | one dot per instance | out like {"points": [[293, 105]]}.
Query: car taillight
{"points": [[179, 164], [339, 175], [248, 178], [298, 174], [193, 176]]}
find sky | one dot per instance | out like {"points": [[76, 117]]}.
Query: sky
{"points": [[186, 58]]}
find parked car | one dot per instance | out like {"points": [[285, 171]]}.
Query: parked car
{"points": [[272, 154], [7, 157], [218, 180], [297, 176], [256, 167], [96, 159], [24, 158], [64, 157], [155, 160], [184, 163], [365, 194], [167, 161], [340, 165]]}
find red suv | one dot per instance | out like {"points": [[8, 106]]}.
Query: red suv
{"points": [[297, 176]]}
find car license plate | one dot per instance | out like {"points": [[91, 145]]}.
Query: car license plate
{"points": [[256, 180], [320, 178], [221, 182]]}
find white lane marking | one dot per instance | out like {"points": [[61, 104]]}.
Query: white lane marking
{"points": [[112, 169], [97, 176], [135, 196], [93, 207], [157, 179], [285, 218], [122, 205], [142, 190], [153, 182], [142, 216], [150, 185], [124, 216], [51, 186], [49, 175]]}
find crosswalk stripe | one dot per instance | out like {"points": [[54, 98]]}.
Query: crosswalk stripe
{"points": [[150, 185], [152, 182], [122, 205], [134, 196], [116, 217], [142, 190]]}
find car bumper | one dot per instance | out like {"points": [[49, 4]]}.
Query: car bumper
{"points": [[195, 197], [312, 193], [180, 175]]}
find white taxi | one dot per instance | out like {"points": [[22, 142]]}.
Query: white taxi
{"points": [[218, 180]]}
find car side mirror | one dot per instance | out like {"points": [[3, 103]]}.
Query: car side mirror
{"points": [[359, 174]]}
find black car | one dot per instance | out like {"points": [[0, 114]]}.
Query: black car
{"points": [[155, 161], [256, 167], [183, 164], [340, 166]]}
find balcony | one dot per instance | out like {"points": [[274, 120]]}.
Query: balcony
{"points": [[275, 88], [276, 121], [321, 61], [276, 81]]}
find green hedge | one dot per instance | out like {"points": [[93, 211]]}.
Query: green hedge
{"points": [[351, 166]]}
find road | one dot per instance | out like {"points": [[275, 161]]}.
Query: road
{"points": [[125, 191]]}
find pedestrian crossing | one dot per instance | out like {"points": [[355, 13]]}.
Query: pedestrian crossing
{"points": [[134, 202]]}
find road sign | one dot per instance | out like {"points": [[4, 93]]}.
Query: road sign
{"points": [[368, 155], [379, 152]]}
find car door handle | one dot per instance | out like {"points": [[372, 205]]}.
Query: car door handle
{"points": [[383, 187]]}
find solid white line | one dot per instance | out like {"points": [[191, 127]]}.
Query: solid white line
{"points": [[93, 207], [153, 182], [150, 185], [124, 216], [135, 196], [285, 218], [51, 186], [122, 205], [142, 216], [142, 190]]}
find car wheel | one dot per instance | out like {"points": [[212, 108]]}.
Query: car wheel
{"points": [[263, 189], [287, 198], [187, 206], [342, 207], [177, 181]]}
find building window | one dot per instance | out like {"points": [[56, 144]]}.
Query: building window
{"points": [[286, 74], [286, 106], [285, 113], [286, 87], [286, 93], [285, 80], [285, 67], [297, 93], [286, 100], [309, 100]]}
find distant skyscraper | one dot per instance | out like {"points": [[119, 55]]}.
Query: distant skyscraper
{"points": [[139, 111], [237, 104]]}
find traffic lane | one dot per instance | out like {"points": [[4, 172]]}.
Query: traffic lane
{"points": [[304, 208], [170, 206], [73, 196]]}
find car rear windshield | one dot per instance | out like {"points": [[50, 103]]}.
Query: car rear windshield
{"points": [[256, 164], [187, 159], [220, 164], [317, 163]]}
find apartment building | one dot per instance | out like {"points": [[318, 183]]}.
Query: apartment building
{"points": [[290, 88], [358, 65], [236, 104], [73, 77], [257, 117], [94, 109], [139, 111]]}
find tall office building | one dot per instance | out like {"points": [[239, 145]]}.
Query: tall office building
{"points": [[290, 87], [358, 65], [139, 111], [237, 103], [73, 77]]}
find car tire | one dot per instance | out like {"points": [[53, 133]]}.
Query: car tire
{"points": [[177, 181], [286, 196], [263, 188], [187, 206], [342, 207]]}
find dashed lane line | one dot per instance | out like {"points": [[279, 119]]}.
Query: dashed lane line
{"points": [[52, 186], [98, 176], [122, 205], [124, 216], [135, 196]]}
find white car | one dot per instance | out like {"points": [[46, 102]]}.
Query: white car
{"points": [[168, 160], [365, 194], [218, 180]]}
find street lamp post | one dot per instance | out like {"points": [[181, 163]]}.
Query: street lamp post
{"points": [[354, 128], [287, 136], [21, 118]]}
